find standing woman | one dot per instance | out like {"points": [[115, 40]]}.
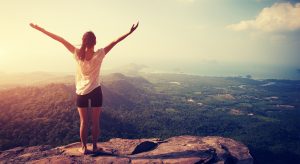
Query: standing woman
{"points": [[88, 88]]}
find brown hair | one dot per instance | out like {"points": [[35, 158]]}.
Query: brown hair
{"points": [[88, 41]]}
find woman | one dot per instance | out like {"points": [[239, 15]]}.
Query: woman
{"points": [[88, 88]]}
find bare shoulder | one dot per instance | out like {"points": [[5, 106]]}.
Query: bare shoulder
{"points": [[76, 50], [102, 51], [99, 51]]}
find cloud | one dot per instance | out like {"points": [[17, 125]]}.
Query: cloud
{"points": [[278, 17]]}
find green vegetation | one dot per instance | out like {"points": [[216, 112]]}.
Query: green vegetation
{"points": [[264, 117]]}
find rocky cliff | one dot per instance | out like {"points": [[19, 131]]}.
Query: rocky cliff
{"points": [[180, 149]]}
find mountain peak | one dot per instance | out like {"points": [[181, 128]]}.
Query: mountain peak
{"points": [[179, 149]]}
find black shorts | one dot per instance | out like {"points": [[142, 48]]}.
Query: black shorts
{"points": [[95, 96]]}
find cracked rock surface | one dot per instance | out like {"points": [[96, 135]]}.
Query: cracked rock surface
{"points": [[179, 149]]}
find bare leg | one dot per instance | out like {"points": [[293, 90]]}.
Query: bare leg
{"points": [[83, 113], [95, 126]]}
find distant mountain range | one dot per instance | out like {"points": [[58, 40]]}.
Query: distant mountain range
{"points": [[39, 108]]}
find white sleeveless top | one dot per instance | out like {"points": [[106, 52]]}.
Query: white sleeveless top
{"points": [[87, 74]]}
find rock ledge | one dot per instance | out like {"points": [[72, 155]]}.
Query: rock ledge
{"points": [[179, 149]]}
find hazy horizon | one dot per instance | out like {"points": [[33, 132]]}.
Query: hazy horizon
{"points": [[221, 70], [215, 38]]}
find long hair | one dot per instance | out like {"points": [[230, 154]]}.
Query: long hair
{"points": [[88, 41]]}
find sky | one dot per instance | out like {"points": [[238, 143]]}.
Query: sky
{"points": [[206, 37]]}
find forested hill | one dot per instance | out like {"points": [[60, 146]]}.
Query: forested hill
{"points": [[264, 114]]}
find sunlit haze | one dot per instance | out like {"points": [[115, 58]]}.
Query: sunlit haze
{"points": [[205, 37]]}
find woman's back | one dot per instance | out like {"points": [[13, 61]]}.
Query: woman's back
{"points": [[87, 74]]}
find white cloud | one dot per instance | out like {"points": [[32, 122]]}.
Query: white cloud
{"points": [[278, 17]]}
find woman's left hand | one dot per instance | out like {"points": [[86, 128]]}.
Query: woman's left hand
{"points": [[35, 26]]}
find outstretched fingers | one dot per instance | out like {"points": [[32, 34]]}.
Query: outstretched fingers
{"points": [[137, 24], [134, 26], [34, 25]]}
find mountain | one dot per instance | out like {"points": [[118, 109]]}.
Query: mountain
{"points": [[262, 114], [135, 89], [10, 80], [131, 69], [137, 81], [179, 149]]}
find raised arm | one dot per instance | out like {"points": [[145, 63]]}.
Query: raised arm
{"points": [[68, 45], [112, 44]]}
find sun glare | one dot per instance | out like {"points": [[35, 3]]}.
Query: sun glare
{"points": [[1, 53], [1, 58]]}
